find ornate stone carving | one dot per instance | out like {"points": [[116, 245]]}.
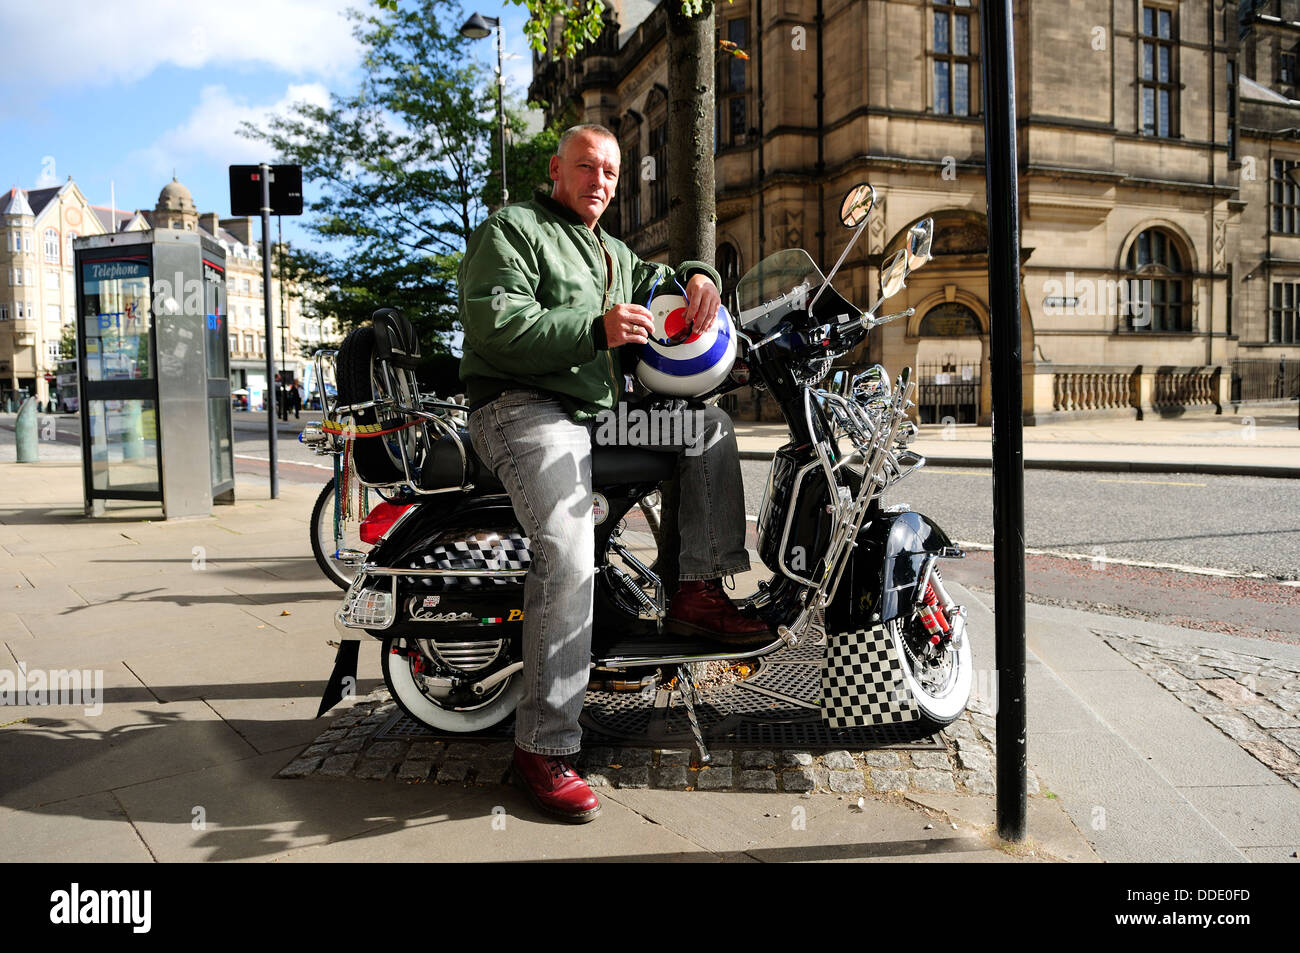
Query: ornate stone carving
{"points": [[877, 226], [787, 228]]}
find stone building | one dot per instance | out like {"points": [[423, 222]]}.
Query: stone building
{"points": [[1266, 143], [39, 299], [1143, 231]]}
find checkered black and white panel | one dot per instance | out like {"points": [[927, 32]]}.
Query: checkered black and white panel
{"points": [[480, 551], [862, 681]]}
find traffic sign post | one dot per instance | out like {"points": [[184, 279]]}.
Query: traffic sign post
{"points": [[267, 190]]}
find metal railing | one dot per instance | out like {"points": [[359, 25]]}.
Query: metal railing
{"points": [[1265, 379]]}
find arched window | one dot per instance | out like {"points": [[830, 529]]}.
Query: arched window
{"points": [[52, 245], [1157, 263]]}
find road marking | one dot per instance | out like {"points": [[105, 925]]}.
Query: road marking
{"points": [[1154, 482], [292, 463], [945, 471], [1138, 563]]}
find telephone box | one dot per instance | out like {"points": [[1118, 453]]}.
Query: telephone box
{"points": [[153, 371]]}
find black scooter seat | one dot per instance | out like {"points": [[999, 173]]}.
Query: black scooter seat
{"points": [[609, 466]]}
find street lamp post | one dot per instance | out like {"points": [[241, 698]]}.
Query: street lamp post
{"points": [[476, 28]]}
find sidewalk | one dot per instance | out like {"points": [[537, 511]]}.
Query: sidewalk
{"points": [[211, 636], [1264, 443]]}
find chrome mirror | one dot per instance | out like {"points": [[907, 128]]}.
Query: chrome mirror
{"points": [[893, 275], [857, 205], [873, 382], [919, 238]]}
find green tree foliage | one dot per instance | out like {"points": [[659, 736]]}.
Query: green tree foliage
{"points": [[403, 165], [582, 19], [68, 342]]}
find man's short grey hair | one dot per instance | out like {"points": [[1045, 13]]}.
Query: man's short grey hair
{"points": [[588, 128]]}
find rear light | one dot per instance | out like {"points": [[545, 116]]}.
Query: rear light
{"points": [[369, 609], [381, 519]]}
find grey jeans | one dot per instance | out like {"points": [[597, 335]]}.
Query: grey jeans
{"points": [[543, 459]]}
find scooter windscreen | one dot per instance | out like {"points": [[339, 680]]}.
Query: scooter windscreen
{"points": [[786, 282]]}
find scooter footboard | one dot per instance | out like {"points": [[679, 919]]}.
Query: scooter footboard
{"points": [[862, 681]]}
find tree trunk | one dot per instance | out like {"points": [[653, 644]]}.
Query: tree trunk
{"points": [[689, 148], [692, 203]]}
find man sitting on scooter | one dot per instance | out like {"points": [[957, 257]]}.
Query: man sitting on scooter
{"points": [[546, 300]]}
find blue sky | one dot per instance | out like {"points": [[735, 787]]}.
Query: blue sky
{"points": [[147, 86]]}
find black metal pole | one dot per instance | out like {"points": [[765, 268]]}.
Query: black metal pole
{"points": [[501, 116], [284, 308], [270, 327], [998, 64]]}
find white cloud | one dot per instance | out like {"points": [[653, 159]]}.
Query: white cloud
{"points": [[92, 41], [210, 134]]}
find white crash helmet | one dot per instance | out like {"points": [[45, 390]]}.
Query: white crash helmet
{"points": [[692, 367]]}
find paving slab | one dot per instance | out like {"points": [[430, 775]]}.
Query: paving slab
{"points": [[500, 824], [1051, 831], [247, 814], [86, 645], [1271, 855], [136, 609], [72, 537], [880, 835], [1125, 809], [1175, 741], [775, 827], [11, 627], [245, 661], [1252, 816], [724, 820], [89, 685], [30, 598], [90, 828], [55, 758], [1074, 648]]}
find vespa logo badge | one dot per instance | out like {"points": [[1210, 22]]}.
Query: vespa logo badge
{"points": [[420, 612]]}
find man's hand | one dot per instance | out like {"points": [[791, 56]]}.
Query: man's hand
{"points": [[628, 324], [704, 299]]}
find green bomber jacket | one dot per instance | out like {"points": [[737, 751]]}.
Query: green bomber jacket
{"points": [[532, 298]]}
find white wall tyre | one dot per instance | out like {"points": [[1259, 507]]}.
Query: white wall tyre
{"points": [[401, 682], [941, 692]]}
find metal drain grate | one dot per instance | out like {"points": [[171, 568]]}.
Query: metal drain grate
{"points": [[401, 727], [775, 708]]}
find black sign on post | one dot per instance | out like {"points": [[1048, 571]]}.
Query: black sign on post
{"points": [[246, 189], [267, 190]]}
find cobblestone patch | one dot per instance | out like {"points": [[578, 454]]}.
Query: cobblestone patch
{"points": [[348, 748], [1250, 699]]}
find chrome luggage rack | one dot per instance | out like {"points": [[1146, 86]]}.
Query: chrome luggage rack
{"points": [[873, 419], [419, 410]]}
